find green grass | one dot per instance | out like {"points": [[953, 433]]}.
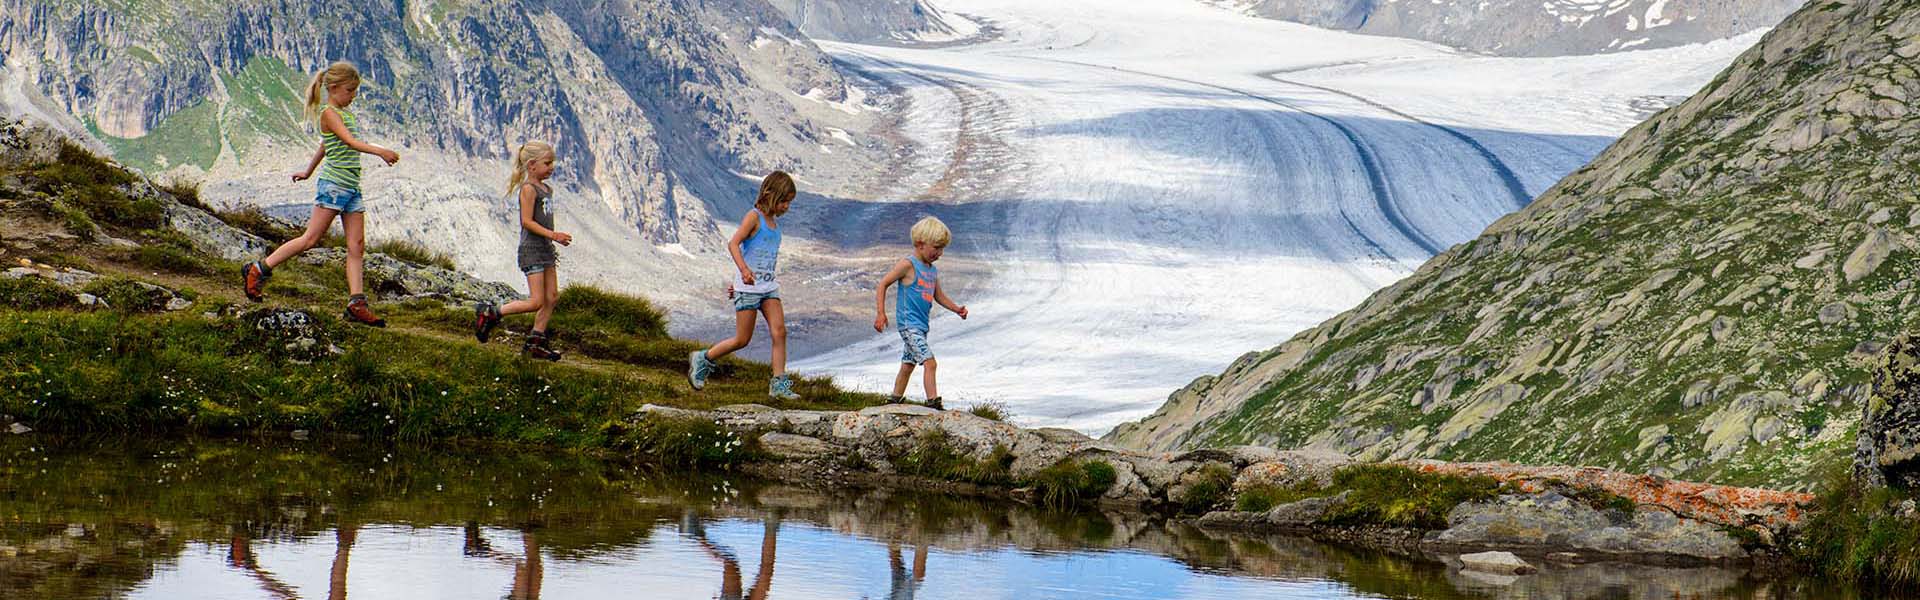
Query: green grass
{"points": [[1208, 491], [413, 252], [933, 456], [992, 411], [1070, 483], [189, 136], [684, 443], [34, 293], [1859, 535], [1387, 495]]}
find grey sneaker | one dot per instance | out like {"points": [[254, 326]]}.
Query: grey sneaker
{"points": [[781, 388], [934, 403], [698, 368]]}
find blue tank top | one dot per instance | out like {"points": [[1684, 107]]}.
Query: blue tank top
{"points": [[762, 252], [915, 298]]}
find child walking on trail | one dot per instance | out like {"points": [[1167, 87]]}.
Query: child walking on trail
{"points": [[532, 164], [756, 251], [919, 290], [336, 190]]}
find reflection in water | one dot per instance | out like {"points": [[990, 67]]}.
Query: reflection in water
{"points": [[213, 520]]}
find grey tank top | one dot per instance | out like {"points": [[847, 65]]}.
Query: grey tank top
{"points": [[532, 244]]}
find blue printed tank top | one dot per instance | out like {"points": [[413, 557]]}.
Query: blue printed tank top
{"points": [[762, 252], [915, 299]]}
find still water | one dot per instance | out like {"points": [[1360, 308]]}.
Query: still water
{"points": [[220, 520]]}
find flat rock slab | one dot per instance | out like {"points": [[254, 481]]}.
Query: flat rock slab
{"points": [[1719, 504], [1502, 563], [795, 447]]}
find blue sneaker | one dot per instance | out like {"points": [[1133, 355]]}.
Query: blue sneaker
{"points": [[698, 368], [781, 388]]}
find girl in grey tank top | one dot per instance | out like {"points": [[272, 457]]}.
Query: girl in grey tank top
{"points": [[532, 164]]}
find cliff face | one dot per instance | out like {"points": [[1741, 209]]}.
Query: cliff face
{"points": [[1530, 28], [1705, 300], [871, 21], [655, 105]]}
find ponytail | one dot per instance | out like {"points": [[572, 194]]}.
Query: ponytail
{"points": [[335, 74], [528, 152]]}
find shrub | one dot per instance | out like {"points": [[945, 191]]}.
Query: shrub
{"points": [[992, 411], [413, 252], [34, 293], [1208, 490], [1071, 482]]}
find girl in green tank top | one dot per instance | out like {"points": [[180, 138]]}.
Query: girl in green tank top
{"points": [[337, 191]]}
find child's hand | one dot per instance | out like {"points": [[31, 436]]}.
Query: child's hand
{"points": [[962, 312], [390, 156], [880, 322], [729, 290], [302, 176], [746, 277], [563, 237]]}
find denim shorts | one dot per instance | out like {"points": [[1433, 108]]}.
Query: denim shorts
{"points": [[916, 351], [333, 196], [751, 301], [535, 268]]}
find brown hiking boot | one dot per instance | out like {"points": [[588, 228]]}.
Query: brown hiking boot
{"points": [[253, 280], [486, 316], [360, 312], [538, 349]]}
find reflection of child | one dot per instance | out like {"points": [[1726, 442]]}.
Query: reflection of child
{"points": [[919, 290]]}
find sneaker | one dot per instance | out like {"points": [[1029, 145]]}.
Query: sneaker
{"points": [[934, 403], [896, 399], [486, 316], [781, 388], [698, 368], [253, 280], [536, 348], [360, 312]]}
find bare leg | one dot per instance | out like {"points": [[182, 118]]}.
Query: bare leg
{"points": [[742, 334], [552, 291], [927, 377], [316, 230], [900, 380], [356, 226], [776, 327], [536, 296]]}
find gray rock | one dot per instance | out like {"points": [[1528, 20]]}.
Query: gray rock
{"points": [[1887, 451], [290, 333], [1551, 522], [795, 447], [1303, 512], [403, 279], [1835, 313], [1496, 562]]}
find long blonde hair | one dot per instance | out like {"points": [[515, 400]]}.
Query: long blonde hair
{"points": [[776, 188], [528, 152], [341, 72]]}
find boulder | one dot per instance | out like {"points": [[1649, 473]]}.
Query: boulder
{"points": [[1549, 521], [289, 333], [795, 447], [1887, 451], [395, 277], [1303, 512], [1504, 563]]}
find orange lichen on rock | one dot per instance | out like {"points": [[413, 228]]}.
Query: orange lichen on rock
{"points": [[1726, 505]]}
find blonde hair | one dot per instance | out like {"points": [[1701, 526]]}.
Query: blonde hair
{"points": [[776, 188], [528, 152], [931, 231], [335, 74]]}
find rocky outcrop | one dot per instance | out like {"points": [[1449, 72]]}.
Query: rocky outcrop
{"points": [[1526, 28], [1549, 522], [1704, 301], [871, 21], [1888, 452]]}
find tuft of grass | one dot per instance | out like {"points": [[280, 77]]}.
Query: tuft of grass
{"points": [[586, 308], [992, 411], [129, 296], [1262, 498], [255, 221], [414, 252], [76, 166], [187, 192], [73, 219], [1389, 495], [684, 443], [1601, 500], [110, 205], [933, 456], [34, 293], [1211, 489], [1072, 482], [1860, 535], [169, 251]]}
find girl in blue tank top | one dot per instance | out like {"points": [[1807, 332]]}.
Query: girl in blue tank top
{"points": [[919, 291], [756, 252]]}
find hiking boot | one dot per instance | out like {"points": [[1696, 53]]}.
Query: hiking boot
{"points": [[253, 280], [698, 369], [781, 388], [486, 316], [934, 403], [537, 348], [896, 399], [360, 312]]}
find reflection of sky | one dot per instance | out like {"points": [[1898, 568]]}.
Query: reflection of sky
{"points": [[813, 563]]}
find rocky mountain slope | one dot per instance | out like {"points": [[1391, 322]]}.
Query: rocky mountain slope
{"points": [[1704, 300], [1528, 28], [872, 21], [661, 110]]}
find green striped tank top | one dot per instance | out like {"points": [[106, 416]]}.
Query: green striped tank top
{"points": [[342, 163]]}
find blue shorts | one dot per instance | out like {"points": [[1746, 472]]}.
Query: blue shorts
{"points": [[531, 269], [916, 351], [751, 301], [333, 196]]}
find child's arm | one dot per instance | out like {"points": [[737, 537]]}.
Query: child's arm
{"points": [[940, 295], [318, 153], [331, 123], [897, 273], [748, 225], [527, 199]]}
